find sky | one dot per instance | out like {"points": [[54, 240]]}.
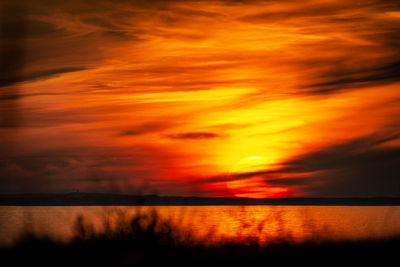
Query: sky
{"points": [[201, 98]]}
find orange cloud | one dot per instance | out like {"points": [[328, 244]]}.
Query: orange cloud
{"points": [[173, 93]]}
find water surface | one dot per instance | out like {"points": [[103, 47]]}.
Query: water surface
{"points": [[215, 222]]}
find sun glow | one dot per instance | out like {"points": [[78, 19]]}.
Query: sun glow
{"points": [[249, 164], [254, 186]]}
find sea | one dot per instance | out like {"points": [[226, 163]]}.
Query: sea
{"points": [[211, 223]]}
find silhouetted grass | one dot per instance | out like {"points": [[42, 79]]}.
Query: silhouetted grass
{"points": [[146, 239]]}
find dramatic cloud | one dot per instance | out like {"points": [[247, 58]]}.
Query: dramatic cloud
{"points": [[32, 76], [360, 167], [214, 98], [364, 166], [146, 128], [196, 135]]}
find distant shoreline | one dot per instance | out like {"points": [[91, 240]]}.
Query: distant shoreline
{"points": [[95, 199]]}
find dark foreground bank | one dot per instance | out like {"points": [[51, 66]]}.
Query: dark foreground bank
{"points": [[147, 240]]}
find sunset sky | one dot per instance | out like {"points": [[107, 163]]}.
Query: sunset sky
{"points": [[201, 98]]}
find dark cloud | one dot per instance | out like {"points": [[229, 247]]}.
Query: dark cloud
{"points": [[297, 181], [375, 75], [234, 176], [12, 79], [67, 169], [361, 167], [11, 59], [355, 153], [31, 28], [36, 118], [197, 135], [145, 128], [96, 179]]}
